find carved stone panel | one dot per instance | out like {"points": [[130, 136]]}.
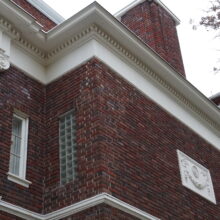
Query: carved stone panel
{"points": [[4, 61], [196, 177]]}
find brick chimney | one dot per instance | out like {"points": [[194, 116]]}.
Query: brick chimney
{"points": [[43, 14], [156, 26], [216, 99]]}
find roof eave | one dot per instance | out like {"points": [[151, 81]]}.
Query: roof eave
{"points": [[95, 14]]}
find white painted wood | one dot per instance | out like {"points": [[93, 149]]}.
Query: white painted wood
{"points": [[94, 47], [25, 62], [21, 177], [102, 198], [145, 68], [18, 180]]}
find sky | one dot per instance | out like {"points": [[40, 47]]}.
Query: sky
{"points": [[199, 47]]}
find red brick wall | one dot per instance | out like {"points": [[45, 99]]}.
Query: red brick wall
{"points": [[39, 16], [139, 141], [18, 91], [130, 142], [216, 99], [126, 145], [157, 29], [6, 216], [74, 91]]}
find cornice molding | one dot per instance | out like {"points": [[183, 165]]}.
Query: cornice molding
{"points": [[9, 28], [32, 49], [166, 77], [70, 42], [102, 198], [138, 63], [135, 60]]}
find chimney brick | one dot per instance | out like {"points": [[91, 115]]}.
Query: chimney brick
{"points": [[157, 28]]}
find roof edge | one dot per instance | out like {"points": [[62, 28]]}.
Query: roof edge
{"points": [[120, 13], [155, 68], [215, 96], [47, 10]]}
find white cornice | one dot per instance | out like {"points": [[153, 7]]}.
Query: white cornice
{"points": [[45, 53], [120, 13], [102, 198]]}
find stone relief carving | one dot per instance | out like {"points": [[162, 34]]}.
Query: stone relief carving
{"points": [[4, 61], [196, 177]]}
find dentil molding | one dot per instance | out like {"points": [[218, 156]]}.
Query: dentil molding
{"points": [[47, 48]]}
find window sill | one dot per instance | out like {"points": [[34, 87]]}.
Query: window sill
{"points": [[18, 180]]}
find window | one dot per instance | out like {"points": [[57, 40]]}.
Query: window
{"points": [[67, 130], [18, 151]]}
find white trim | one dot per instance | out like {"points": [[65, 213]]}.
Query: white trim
{"points": [[125, 207], [156, 93], [69, 38], [77, 207], [124, 10], [70, 61], [47, 10], [18, 180], [95, 48], [23, 61]]}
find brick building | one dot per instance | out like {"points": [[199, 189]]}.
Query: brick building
{"points": [[97, 119]]}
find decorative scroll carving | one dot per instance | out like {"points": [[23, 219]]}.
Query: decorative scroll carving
{"points": [[4, 61], [196, 177]]}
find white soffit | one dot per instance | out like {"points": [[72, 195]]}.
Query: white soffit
{"points": [[124, 10]]}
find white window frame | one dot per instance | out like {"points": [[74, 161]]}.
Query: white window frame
{"points": [[21, 177]]}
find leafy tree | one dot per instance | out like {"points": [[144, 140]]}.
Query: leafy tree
{"points": [[211, 21]]}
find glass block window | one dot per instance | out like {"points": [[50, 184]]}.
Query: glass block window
{"points": [[67, 130], [18, 152]]}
